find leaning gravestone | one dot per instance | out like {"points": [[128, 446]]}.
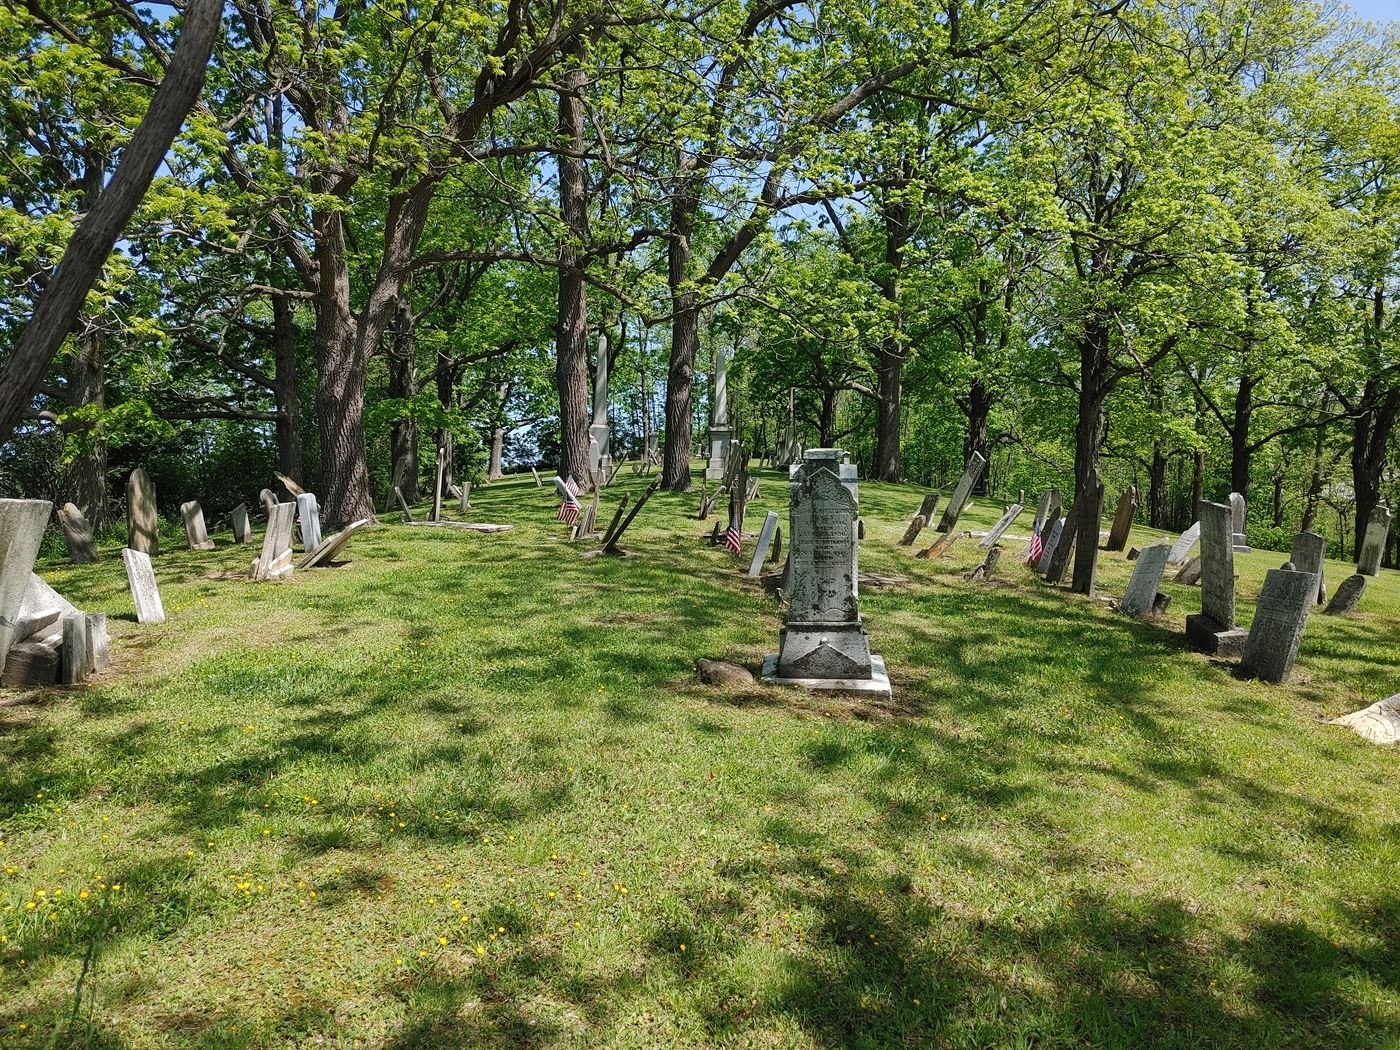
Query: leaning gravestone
{"points": [[276, 558], [975, 463], [1213, 629], [309, 516], [1237, 508], [1042, 508], [1348, 596], [1309, 555], [78, 534], [142, 522], [196, 533], [325, 551], [1139, 598], [1368, 562], [268, 499], [765, 537], [1190, 573], [1047, 550], [239, 518], [920, 520], [22, 523], [823, 644], [1181, 549], [1123, 520], [999, 529], [141, 578], [1279, 617]]}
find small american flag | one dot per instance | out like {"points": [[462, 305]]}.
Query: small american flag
{"points": [[571, 485], [732, 539], [1037, 547], [568, 512]]}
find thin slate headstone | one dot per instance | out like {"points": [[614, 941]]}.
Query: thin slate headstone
{"points": [[777, 554], [75, 651], [975, 464], [616, 518], [1181, 549], [1047, 550], [196, 533], [1213, 629], [984, 571], [464, 504], [823, 644], [309, 516], [1086, 537], [324, 552], [765, 537], [1123, 520], [238, 518], [1141, 594], [403, 506], [436, 514], [275, 561], [1368, 562], [77, 533], [1064, 548], [536, 473], [921, 518], [940, 546], [1279, 618], [142, 521], [99, 645], [999, 529], [1310, 555], [22, 523], [1348, 596], [1190, 573], [268, 499], [1237, 509], [141, 578]]}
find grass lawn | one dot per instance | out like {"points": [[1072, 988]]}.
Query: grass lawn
{"points": [[464, 791]]}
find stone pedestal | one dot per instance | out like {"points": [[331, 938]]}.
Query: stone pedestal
{"points": [[720, 439], [823, 644], [600, 450], [1206, 635]]}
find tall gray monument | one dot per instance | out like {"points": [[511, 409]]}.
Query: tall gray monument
{"points": [[142, 523], [721, 434], [823, 644], [1368, 562], [599, 437], [1237, 508], [1213, 629]]}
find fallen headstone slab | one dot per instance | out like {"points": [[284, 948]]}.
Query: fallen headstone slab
{"points": [[470, 526], [325, 551], [721, 672], [1379, 723], [34, 662]]}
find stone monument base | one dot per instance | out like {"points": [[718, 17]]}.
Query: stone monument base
{"points": [[718, 462], [878, 682], [1207, 636]]}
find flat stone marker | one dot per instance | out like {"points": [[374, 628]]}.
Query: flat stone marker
{"points": [[1123, 520], [1003, 523], [141, 578], [142, 521], [276, 558], [196, 533], [22, 523], [309, 517], [1237, 508], [325, 551], [1368, 562], [1310, 555], [975, 463], [1141, 594], [77, 533], [1181, 549], [241, 528], [765, 537], [1379, 723], [1213, 629], [1047, 550], [823, 644], [1279, 617], [1348, 596]]}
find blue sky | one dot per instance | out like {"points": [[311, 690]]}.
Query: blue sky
{"points": [[1377, 10]]}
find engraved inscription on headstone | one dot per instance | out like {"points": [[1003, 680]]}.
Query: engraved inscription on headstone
{"points": [[1368, 562], [1213, 629], [1182, 547], [1279, 617], [1138, 599], [141, 578]]}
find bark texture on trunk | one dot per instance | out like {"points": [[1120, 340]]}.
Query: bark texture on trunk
{"points": [[889, 356], [403, 384], [685, 344], [85, 482], [1241, 452], [571, 331], [285, 392], [1094, 386], [979, 408]]}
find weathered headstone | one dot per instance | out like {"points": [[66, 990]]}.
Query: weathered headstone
{"points": [[77, 533], [1368, 562], [238, 518], [464, 503], [823, 644], [1138, 599], [939, 547], [777, 554], [1181, 549], [1213, 629], [721, 434], [142, 521], [1190, 573], [1379, 723], [75, 650], [1047, 550], [309, 517], [1279, 617], [436, 513], [1003, 523], [1089, 506], [984, 571], [1049, 499], [599, 435], [275, 561], [407, 515], [325, 551], [536, 473], [1123, 520], [616, 518], [951, 512], [1310, 555], [22, 523], [99, 646], [196, 532], [268, 499], [1348, 596], [765, 537], [1237, 509], [1063, 553], [290, 489], [611, 547], [921, 518], [141, 578]]}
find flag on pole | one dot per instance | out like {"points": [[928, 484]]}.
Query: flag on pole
{"points": [[732, 541], [572, 486], [568, 512], [1037, 547]]}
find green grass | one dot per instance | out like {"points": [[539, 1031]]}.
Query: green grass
{"points": [[464, 791]]}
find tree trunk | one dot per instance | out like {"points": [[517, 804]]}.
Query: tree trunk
{"points": [[979, 409], [284, 392], [826, 425], [1371, 431], [403, 385], [1241, 452], [1314, 480], [571, 332], [1093, 392], [685, 344], [1157, 487], [86, 481], [1278, 500], [889, 356], [498, 434]]}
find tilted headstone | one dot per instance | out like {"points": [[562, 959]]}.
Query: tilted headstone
{"points": [[984, 571], [999, 529], [22, 523], [1086, 536], [141, 578], [288, 487], [324, 552], [1047, 550], [142, 521], [599, 435], [436, 513], [77, 533], [1064, 548], [954, 509], [1123, 520], [1348, 596], [275, 561], [1237, 508], [536, 473], [464, 503], [920, 521], [1139, 598], [1190, 573], [939, 547], [196, 533], [1279, 617], [268, 499], [1368, 562], [765, 537], [309, 517], [1310, 555], [238, 518], [1213, 629], [99, 646], [1049, 499], [1181, 549], [75, 651], [403, 506], [823, 644]]}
